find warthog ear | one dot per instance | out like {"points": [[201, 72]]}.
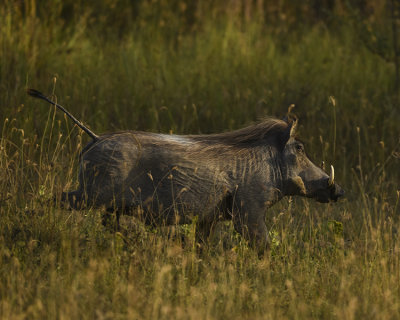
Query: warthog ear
{"points": [[289, 132], [293, 128], [289, 116]]}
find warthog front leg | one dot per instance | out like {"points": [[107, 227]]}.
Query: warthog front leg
{"points": [[249, 221]]}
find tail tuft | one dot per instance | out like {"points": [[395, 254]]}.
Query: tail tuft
{"points": [[34, 93]]}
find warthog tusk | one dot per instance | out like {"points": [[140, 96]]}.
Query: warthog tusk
{"points": [[331, 180]]}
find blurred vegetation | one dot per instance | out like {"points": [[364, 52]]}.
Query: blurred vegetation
{"points": [[197, 67]]}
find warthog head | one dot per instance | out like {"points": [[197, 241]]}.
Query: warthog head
{"points": [[303, 177]]}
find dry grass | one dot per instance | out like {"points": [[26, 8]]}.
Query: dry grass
{"points": [[326, 261]]}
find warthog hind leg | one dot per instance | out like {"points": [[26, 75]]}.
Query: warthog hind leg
{"points": [[72, 200], [111, 218]]}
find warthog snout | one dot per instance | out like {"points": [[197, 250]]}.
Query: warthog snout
{"points": [[336, 192], [332, 192]]}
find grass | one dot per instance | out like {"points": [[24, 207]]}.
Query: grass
{"points": [[159, 73]]}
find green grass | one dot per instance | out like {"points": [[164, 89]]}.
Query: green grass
{"points": [[159, 72]]}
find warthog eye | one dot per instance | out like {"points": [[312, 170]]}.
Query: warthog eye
{"points": [[299, 148]]}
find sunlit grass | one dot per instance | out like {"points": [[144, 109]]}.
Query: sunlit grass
{"points": [[325, 261]]}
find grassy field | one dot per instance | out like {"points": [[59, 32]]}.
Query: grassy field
{"points": [[172, 66]]}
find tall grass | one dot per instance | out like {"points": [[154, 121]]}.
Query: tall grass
{"points": [[153, 66]]}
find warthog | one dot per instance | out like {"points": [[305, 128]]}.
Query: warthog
{"points": [[173, 178]]}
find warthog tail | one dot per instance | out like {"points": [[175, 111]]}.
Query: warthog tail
{"points": [[36, 94]]}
